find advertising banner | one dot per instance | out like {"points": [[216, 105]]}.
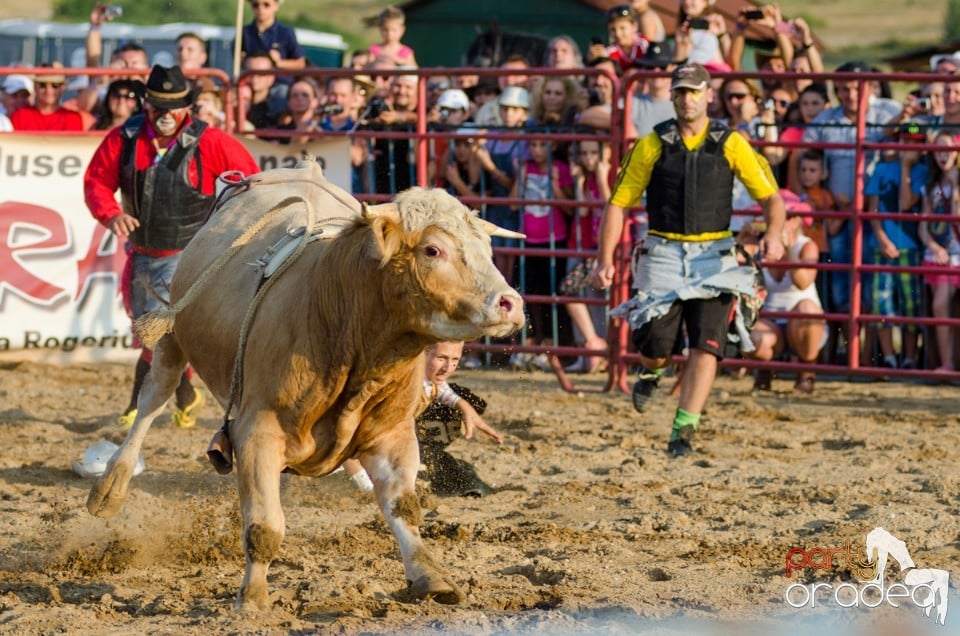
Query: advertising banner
{"points": [[60, 269]]}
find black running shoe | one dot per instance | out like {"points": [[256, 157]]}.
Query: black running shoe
{"points": [[644, 389], [681, 445]]}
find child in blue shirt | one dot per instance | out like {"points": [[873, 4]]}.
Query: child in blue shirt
{"points": [[891, 242]]}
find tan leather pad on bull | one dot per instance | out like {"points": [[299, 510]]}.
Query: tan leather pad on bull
{"points": [[266, 188], [332, 208], [262, 191]]}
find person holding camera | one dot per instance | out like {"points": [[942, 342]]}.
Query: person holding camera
{"points": [[393, 162], [303, 107], [599, 95], [448, 168], [702, 35], [345, 100], [775, 60], [92, 98], [258, 99]]}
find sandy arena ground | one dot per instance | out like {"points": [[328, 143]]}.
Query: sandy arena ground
{"points": [[594, 529]]}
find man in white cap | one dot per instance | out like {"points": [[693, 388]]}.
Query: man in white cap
{"points": [[18, 91], [453, 107], [945, 62], [452, 110], [686, 271], [165, 164]]}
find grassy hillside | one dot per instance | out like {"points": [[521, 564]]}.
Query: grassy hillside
{"points": [[869, 29]]}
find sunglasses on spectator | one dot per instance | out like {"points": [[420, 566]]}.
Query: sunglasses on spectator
{"points": [[48, 85], [737, 95], [620, 11], [782, 103], [258, 5], [130, 95]]}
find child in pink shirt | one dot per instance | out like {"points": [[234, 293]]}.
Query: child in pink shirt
{"points": [[392, 22], [542, 178]]}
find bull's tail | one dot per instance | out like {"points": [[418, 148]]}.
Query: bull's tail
{"points": [[154, 325]]}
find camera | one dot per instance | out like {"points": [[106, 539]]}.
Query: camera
{"points": [[753, 14], [701, 24], [769, 104], [330, 109], [112, 12], [375, 107], [923, 103]]}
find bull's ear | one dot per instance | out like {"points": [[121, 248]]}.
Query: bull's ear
{"points": [[384, 222], [387, 236], [383, 210]]}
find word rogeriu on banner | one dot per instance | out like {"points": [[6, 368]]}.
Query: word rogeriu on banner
{"points": [[924, 588]]}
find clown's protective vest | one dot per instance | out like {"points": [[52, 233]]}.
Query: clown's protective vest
{"points": [[170, 209]]}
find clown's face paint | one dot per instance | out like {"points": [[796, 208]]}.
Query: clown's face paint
{"points": [[166, 122]]}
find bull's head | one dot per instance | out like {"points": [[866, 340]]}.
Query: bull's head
{"points": [[444, 277]]}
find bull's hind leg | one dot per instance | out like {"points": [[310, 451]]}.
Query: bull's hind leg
{"points": [[393, 469], [259, 452], [108, 494]]}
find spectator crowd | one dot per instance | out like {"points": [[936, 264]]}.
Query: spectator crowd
{"points": [[506, 150]]}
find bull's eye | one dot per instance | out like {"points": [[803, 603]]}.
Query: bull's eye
{"points": [[432, 251]]}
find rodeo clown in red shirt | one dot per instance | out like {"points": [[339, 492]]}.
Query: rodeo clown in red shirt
{"points": [[165, 164]]}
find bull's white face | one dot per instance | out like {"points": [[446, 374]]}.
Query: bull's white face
{"points": [[445, 277]]}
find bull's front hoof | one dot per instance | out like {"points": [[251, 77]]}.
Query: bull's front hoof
{"points": [[438, 588], [108, 494], [250, 601]]}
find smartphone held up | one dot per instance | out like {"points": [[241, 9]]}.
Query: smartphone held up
{"points": [[112, 12]]}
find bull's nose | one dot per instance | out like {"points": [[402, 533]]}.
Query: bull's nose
{"points": [[511, 305]]}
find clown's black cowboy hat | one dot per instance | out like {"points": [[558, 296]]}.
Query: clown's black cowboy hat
{"points": [[167, 89]]}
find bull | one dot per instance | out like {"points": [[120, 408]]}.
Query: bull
{"points": [[305, 313]]}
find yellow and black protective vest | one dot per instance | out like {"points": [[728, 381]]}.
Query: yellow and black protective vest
{"points": [[690, 192]]}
